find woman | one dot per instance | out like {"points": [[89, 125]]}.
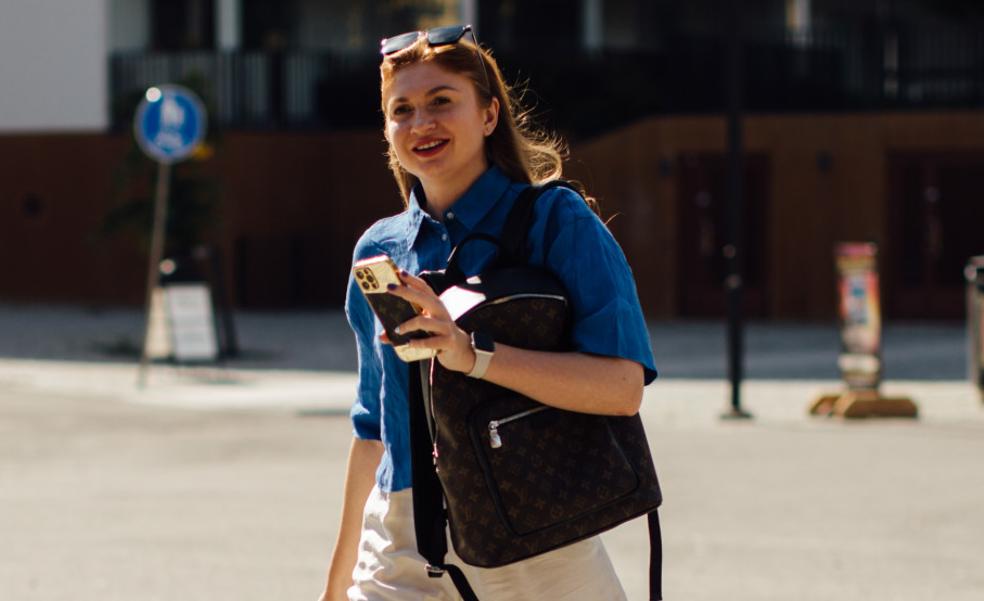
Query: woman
{"points": [[461, 153]]}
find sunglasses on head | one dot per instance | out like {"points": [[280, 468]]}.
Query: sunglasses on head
{"points": [[437, 36]]}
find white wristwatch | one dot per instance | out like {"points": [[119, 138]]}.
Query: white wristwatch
{"points": [[484, 348]]}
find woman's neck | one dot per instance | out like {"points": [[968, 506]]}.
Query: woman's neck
{"points": [[441, 194]]}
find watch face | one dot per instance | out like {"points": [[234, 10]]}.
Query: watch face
{"points": [[483, 342]]}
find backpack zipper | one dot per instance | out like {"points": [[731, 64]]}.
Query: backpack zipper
{"points": [[506, 299], [495, 441], [494, 438]]}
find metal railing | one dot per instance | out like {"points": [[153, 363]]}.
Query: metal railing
{"points": [[871, 67]]}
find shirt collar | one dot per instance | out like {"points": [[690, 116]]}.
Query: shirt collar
{"points": [[470, 208], [415, 213], [478, 200]]}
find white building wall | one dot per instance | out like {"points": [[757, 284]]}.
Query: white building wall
{"points": [[53, 65], [129, 25]]}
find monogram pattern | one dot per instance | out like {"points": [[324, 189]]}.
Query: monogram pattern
{"points": [[392, 311], [557, 476]]}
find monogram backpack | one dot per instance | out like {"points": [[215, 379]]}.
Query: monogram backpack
{"points": [[511, 477]]}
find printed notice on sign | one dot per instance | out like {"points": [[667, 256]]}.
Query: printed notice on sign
{"points": [[189, 310]]}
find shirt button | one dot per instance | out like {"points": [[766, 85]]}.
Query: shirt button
{"points": [[450, 215]]}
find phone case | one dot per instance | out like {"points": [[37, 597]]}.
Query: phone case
{"points": [[374, 276]]}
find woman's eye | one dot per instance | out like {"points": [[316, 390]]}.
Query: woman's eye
{"points": [[440, 100], [403, 109]]}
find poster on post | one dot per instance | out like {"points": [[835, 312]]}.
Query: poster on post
{"points": [[860, 360], [860, 315]]}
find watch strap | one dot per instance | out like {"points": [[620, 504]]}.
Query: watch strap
{"points": [[484, 349]]}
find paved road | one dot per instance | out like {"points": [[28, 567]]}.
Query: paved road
{"points": [[224, 484], [103, 499]]}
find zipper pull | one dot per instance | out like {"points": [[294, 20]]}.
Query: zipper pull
{"points": [[494, 440]]}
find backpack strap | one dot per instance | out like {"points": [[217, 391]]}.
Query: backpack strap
{"points": [[518, 222], [655, 558], [511, 243], [429, 517]]}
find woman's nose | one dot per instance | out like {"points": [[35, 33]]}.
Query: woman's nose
{"points": [[422, 122]]}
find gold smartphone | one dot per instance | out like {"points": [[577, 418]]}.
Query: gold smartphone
{"points": [[374, 275]]}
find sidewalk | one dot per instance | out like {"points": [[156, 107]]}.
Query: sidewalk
{"points": [[225, 483], [304, 361]]}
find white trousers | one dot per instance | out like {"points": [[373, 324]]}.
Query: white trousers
{"points": [[390, 569]]}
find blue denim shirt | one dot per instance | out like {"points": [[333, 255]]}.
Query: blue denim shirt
{"points": [[566, 237]]}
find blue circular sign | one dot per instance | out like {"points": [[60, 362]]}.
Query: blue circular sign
{"points": [[170, 123]]}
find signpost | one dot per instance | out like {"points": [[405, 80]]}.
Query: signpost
{"points": [[974, 273], [169, 124], [735, 248]]}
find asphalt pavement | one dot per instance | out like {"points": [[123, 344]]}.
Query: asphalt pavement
{"points": [[224, 481]]}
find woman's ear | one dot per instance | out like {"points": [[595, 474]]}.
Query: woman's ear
{"points": [[491, 116]]}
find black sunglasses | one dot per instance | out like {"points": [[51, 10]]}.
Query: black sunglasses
{"points": [[437, 36]]}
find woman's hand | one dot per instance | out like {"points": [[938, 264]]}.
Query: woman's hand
{"points": [[453, 345], [572, 381]]}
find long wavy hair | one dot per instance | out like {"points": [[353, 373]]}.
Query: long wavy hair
{"points": [[522, 150]]}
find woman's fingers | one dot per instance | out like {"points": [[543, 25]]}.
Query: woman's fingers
{"points": [[423, 297], [437, 342], [451, 343], [425, 323], [414, 282]]}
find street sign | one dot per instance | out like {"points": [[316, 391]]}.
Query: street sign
{"points": [[170, 122]]}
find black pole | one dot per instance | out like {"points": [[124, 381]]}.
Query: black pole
{"points": [[734, 247]]}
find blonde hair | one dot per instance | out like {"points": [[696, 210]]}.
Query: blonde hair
{"points": [[523, 151]]}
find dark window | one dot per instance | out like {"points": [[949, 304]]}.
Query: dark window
{"points": [[266, 24], [183, 24]]}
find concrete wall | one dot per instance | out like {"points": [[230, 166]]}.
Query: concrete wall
{"points": [[53, 68]]}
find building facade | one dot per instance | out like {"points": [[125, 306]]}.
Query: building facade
{"points": [[863, 122]]}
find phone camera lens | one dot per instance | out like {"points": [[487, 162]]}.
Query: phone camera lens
{"points": [[359, 274], [365, 286]]}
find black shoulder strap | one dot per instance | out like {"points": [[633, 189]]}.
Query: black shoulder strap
{"points": [[428, 501], [429, 518], [517, 226], [512, 240], [655, 558]]}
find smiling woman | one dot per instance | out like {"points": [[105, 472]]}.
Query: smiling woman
{"points": [[462, 151], [436, 128]]}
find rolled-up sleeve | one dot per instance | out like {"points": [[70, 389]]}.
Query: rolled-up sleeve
{"points": [[365, 411], [608, 318]]}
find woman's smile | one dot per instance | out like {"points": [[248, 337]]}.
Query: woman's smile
{"points": [[429, 147]]}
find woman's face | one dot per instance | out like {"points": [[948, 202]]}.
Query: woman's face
{"points": [[435, 125]]}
